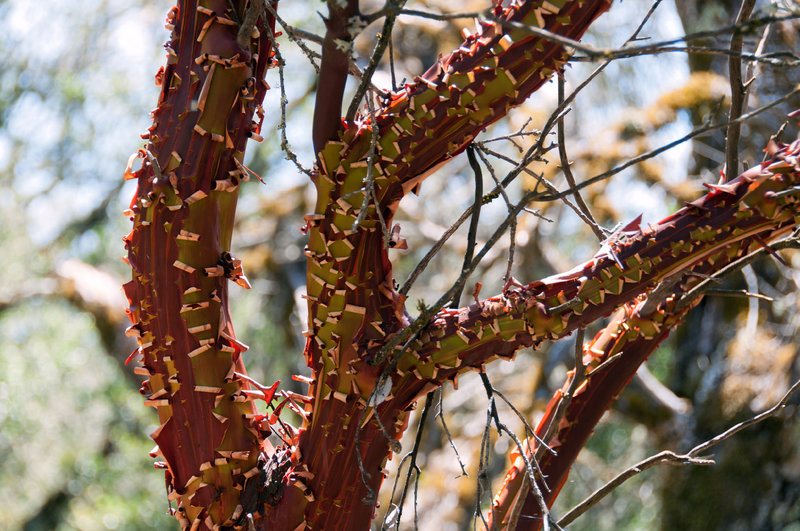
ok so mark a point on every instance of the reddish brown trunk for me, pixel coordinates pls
(219, 467)
(179, 251)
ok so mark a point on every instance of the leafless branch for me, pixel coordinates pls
(412, 466)
(296, 36)
(285, 147)
(512, 228)
(657, 151)
(393, 9)
(665, 457)
(653, 48)
(791, 242)
(583, 209)
(473, 222)
(578, 376)
(737, 93)
(375, 57)
(738, 293)
(440, 415)
(254, 11)
(668, 457)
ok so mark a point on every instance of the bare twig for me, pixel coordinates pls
(577, 379)
(512, 228)
(285, 147)
(668, 457)
(665, 457)
(473, 222)
(791, 242)
(254, 10)
(369, 188)
(737, 93)
(657, 151)
(652, 48)
(530, 431)
(296, 36)
(738, 293)
(377, 53)
(412, 466)
(565, 167)
(394, 9)
(423, 263)
(440, 415)
(531, 463)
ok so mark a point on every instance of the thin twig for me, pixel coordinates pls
(791, 242)
(531, 464)
(528, 428)
(483, 464)
(254, 10)
(306, 35)
(656, 47)
(752, 74)
(668, 457)
(657, 151)
(375, 57)
(285, 147)
(423, 263)
(297, 35)
(391, 64)
(646, 17)
(473, 222)
(775, 59)
(440, 415)
(565, 167)
(392, 9)
(738, 293)
(294, 35)
(412, 466)
(745, 424)
(665, 457)
(388, 518)
(512, 227)
(737, 93)
(540, 180)
(369, 187)
(577, 379)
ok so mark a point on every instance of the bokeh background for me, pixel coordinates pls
(76, 86)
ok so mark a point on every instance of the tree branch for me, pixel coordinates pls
(210, 435)
(746, 211)
(668, 457)
(612, 358)
(336, 48)
(433, 118)
(737, 92)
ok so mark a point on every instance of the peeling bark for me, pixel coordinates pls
(179, 249)
(219, 467)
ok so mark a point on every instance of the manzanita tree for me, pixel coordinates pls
(370, 360)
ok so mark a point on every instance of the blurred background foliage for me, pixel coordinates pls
(75, 87)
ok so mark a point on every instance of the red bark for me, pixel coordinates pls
(220, 469)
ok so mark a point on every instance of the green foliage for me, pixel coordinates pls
(72, 430)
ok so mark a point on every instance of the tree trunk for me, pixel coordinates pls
(370, 360)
